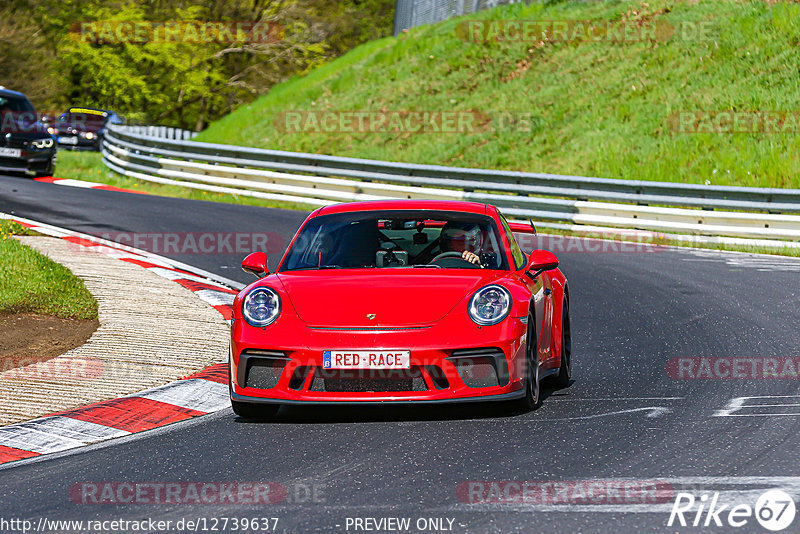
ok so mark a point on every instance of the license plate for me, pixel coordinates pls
(366, 359)
(68, 140)
(11, 152)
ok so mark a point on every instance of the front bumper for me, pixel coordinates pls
(32, 161)
(449, 362)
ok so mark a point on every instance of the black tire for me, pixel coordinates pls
(565, 371)
(51, 166)
(252, 410)
(532, 388)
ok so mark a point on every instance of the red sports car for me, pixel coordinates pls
(400, 302)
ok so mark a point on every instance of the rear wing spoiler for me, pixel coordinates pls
(522, 228)
(525, 234)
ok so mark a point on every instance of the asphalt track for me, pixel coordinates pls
(623, 417)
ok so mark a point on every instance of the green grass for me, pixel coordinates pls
(32, 283)
(597, 108)
(88, 166)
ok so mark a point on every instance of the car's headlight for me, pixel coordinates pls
(490, 305)
(261, 306)
(43, 143)
(88, 135)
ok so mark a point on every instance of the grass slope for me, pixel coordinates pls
(597, 108)
(31, 282)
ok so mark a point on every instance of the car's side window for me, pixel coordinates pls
(516, 252)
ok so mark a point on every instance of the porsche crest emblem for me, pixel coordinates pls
(370, 316)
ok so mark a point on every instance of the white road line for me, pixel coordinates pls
(771, 405)
(759, 262)
(76, 183)
(740, 403)
(195, 394)
(653, 411)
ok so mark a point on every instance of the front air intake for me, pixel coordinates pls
(260, 369)
(481, 367)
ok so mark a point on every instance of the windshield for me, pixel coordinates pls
(16, 105)
(18, 116)
(397, 239)
(88, 120)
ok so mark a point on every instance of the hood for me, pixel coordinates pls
(397, 298)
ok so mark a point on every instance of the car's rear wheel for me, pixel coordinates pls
(565, 371)
(531, 399)
(252, 410)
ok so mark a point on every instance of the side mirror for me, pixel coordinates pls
(540, 261)
(256, 263)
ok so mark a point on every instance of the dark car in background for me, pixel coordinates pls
(83, 128)
(25, 144)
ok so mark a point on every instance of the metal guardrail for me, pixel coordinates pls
(318, 180)
(411, 13)
(166, 132)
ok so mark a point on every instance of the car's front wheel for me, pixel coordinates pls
(51, 166)
(531, 399)
(252, 410)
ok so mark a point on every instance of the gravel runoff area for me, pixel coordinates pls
(152, 331)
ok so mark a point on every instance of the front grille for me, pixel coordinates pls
(14, 142)
(13, 162)
(481, 367)
(368, 380)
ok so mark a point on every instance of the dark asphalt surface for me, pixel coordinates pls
(623, 417)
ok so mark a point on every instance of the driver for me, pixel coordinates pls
(464, 237)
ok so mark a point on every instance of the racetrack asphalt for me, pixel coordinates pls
(623, 417)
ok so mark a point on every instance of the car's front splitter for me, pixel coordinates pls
(357, 402)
